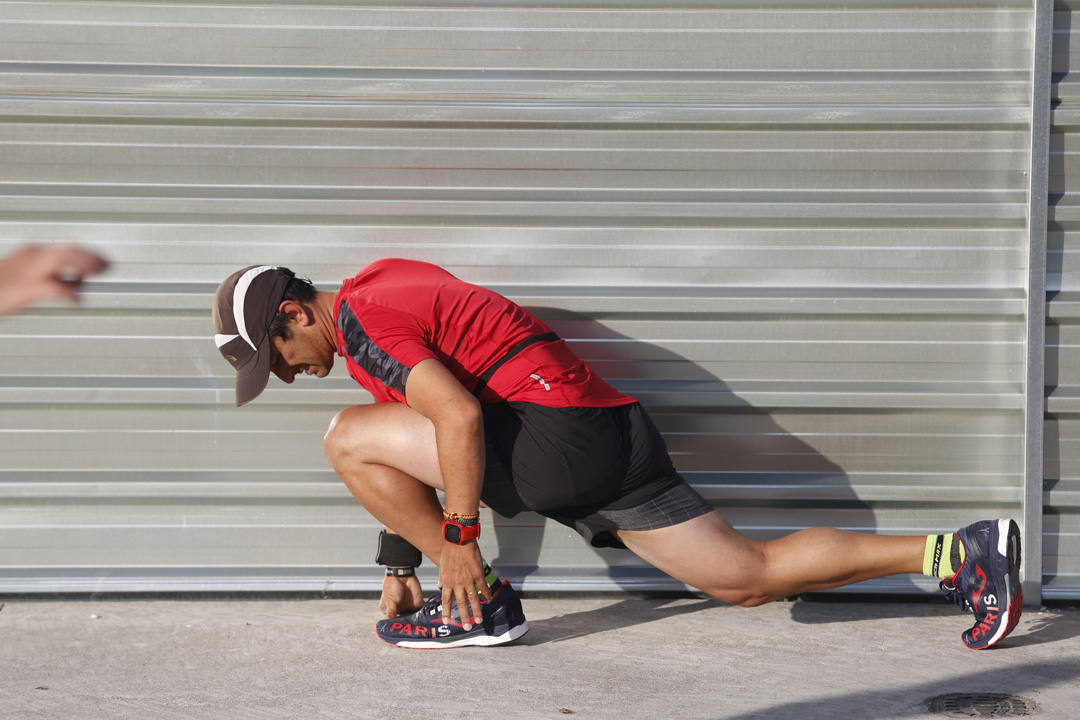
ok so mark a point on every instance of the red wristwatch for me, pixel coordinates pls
(460, 532)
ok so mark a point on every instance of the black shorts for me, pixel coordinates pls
(593, 469)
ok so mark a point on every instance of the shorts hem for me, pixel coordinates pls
(674, 506)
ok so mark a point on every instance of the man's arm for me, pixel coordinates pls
(435, 393)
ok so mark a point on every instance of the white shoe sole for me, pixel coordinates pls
(478, 640)
(1011, 608)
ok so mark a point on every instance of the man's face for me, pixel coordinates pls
(304, 353)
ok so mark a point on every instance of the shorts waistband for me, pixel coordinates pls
(482, 381)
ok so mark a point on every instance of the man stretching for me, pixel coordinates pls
(478, 398)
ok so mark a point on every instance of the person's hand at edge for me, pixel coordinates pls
(44, 272)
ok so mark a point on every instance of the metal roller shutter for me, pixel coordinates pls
(799, 234)
(1061, 519)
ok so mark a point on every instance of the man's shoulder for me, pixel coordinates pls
(397, 282)
(395, 265)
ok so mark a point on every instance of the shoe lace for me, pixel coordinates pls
(951, 593)
(433, 605)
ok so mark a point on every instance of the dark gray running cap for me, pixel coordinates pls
(243, 307)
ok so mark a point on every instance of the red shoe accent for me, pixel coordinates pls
(1016, 609)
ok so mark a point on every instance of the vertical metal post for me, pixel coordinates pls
(1034, 382)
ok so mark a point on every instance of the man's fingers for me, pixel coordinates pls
(465, 608)
(447, 603)
(392, 607)
(58, 288)
(400, 596)
(71, 260)
(474, 603)
(485, 590)
(457, 596)
(468, 604)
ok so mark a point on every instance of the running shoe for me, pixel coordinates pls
(504, 621)
(988, 581)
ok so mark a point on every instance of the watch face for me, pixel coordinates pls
(452, 533)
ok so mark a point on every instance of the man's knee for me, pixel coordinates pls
(723, 563)
(340, 438)
(744, 598)
(385, 434)
(747, 594)
(748, 584)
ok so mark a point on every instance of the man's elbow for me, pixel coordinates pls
(467, 411)
(460, 416)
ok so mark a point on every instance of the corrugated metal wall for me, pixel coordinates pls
(1061, 520)
(797, 234)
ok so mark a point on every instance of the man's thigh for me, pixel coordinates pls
(389, 434)
(704, 552)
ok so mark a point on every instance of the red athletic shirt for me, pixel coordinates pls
(396, 313)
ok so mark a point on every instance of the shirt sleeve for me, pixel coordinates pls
(386, 344)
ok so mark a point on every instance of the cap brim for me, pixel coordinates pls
(252, 378)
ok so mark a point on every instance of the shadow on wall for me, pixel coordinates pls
(763, 479)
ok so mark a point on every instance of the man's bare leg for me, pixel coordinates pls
(385, 454)
(380, 452)
(709, 554)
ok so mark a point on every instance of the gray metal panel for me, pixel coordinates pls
(1035, 314)
(799, 237)
(1061, 490)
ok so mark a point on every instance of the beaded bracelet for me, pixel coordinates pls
(460, 516)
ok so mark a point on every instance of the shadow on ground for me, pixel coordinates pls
(875, 704)
(1037, 626)
(625, 613)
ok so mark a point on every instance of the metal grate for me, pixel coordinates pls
(981, 705)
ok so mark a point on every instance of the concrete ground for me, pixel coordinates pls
(615, 656)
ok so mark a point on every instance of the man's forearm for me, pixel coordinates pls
(461, 459)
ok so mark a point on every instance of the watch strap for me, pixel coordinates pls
(459, 533)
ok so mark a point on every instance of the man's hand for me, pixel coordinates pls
(461, 573)
(400, 596)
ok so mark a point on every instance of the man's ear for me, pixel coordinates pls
(295, 312)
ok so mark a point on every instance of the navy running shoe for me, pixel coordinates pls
(504, 621)
(988, 581)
